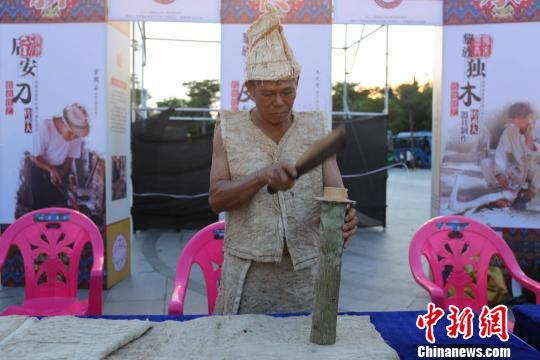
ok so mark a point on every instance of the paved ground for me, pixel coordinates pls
(375, 272)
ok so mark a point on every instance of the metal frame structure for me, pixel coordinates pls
(143, 109)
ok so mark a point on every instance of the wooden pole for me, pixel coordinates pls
(324, 318)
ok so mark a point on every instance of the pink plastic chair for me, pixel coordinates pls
(51, 241)
(455, 246)
(205, 248)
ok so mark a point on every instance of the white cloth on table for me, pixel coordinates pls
(68, 337)
(258, 337)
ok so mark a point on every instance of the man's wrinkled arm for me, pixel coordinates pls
(331, 173)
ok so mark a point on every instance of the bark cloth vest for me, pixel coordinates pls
(258, 230)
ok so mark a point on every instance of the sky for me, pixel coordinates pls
(170, 63)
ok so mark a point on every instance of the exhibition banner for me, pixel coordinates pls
(489, 161)
(52, 128)
(118, 123)
(315, 87)
(118, 184)
(65, 130)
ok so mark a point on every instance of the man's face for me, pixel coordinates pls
(522, 122)
(274, 99)
(67, 133)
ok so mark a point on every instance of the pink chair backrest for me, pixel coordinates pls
(51, 241)
(206, 250)
(459, 250)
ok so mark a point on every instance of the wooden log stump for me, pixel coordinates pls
(324, 318)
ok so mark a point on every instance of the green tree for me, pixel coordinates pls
(201, 94)
(409, 104)
(415, 102)
(359, 100)
(172, 102)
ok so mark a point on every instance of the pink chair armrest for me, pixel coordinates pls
(176, 305)
(436, 293)
(95, 299)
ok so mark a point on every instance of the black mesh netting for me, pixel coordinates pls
(171, 169)
(366, 152)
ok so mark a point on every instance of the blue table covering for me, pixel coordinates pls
(527, 325)
(398, 329)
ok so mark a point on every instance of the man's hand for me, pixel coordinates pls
(55, 176)
(279, 176)
(350, 225)
(502, 180)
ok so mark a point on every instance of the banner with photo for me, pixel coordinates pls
(164, 10)
(51, 11)
(118, 172)
(393, 12)
(118, 123)
(489, 129)
(52, 133)
(315, 87)
(65, 129)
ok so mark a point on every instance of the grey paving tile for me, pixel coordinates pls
(6, 292)
(419, 303)
(195, 303)
(151, 307)
(168, 249)
(143, 287)
(6, 302)
(359, 306)
(397, 300)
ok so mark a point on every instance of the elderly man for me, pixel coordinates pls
(271, 241)
(516, 165)
(60, 142)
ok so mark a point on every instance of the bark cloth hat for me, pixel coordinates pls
(76, 117)
(269, 55)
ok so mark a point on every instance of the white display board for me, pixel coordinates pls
(165, 10)
(486, 70)
(314, 89)
(394, 12)
(43, 69)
